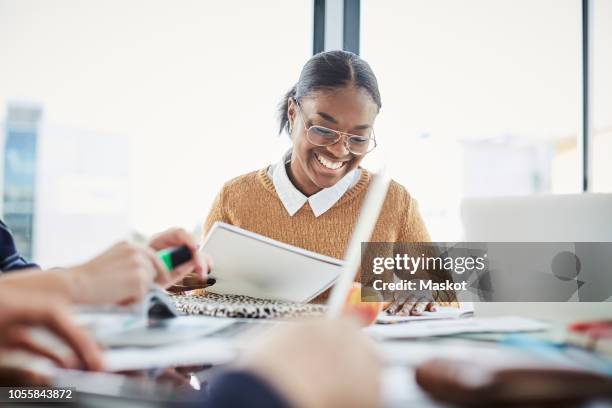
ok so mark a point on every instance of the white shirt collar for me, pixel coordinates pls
(293, 199)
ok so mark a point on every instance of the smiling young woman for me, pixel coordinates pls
(312, 196)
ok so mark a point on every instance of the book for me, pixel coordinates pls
(250, 264)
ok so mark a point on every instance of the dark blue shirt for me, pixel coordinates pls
(233, 389)
(242, 389)
(10, 258)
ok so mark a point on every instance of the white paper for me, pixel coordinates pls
(203, 351)
(441, 314)
(429, 328)
(169, 331)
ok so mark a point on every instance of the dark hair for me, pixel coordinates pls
(329, 70)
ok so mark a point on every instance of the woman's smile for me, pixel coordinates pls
(326, 170)
(329, 163)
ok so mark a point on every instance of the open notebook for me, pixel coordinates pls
(253, 265)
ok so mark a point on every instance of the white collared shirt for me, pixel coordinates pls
(293, 199)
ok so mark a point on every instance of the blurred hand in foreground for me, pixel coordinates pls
(327, 363)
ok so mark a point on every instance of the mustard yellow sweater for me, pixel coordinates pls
(250, 202)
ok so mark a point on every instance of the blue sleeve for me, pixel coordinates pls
(242, 389)
(10, 259)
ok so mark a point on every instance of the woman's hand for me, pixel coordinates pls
(326, 363)
(198, 267)
(191, 275)
(411, 303)
(21, 310)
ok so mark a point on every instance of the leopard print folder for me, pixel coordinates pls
(212, 304)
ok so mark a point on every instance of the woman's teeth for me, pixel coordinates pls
(332, 165)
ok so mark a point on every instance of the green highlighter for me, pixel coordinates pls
(173, 257)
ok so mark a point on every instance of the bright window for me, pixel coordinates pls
(480, 98)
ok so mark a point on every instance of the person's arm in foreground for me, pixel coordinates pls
(22, 310)
(315, 364)
(122, 274)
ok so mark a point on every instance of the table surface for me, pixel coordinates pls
(402, 356)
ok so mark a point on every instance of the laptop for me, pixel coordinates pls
(570, 218)
(583, 217)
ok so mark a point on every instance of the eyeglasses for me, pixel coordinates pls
(322, 136)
